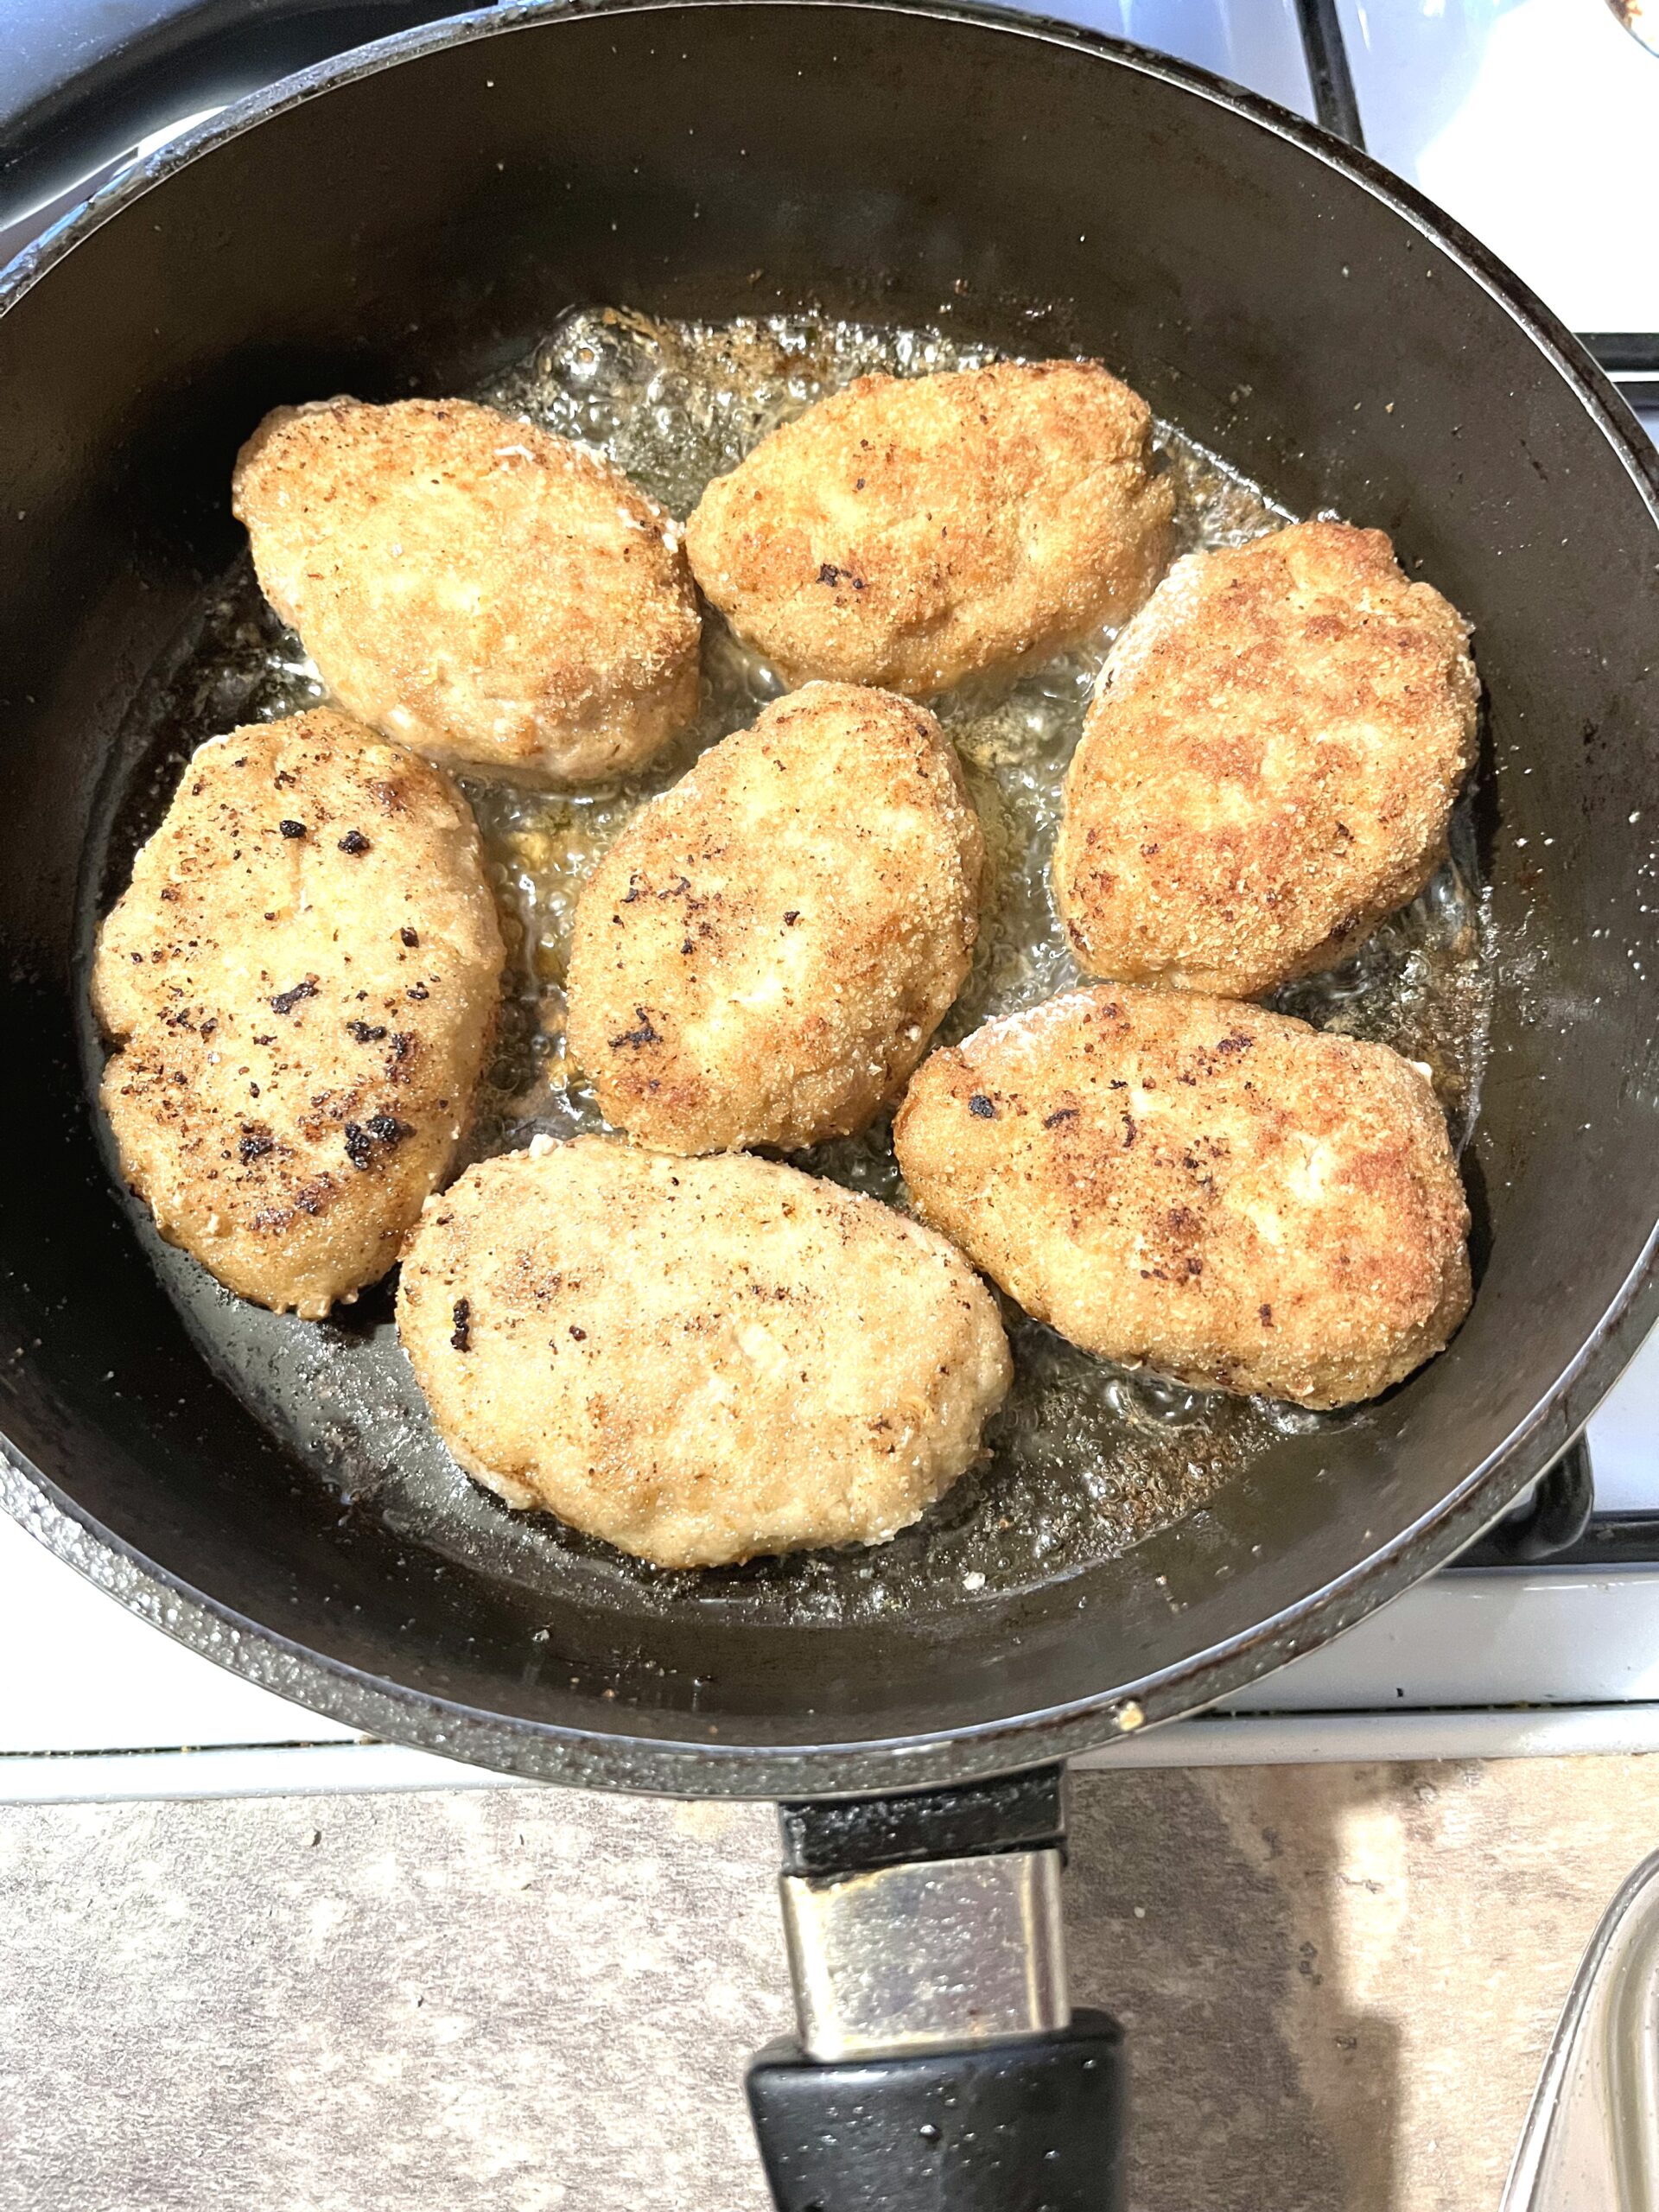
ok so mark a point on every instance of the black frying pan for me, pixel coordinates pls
(420, 212)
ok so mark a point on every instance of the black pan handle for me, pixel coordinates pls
(85, 79)
(1031, 2126)
(938, 2063)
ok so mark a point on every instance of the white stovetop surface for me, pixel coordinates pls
(1536, 123)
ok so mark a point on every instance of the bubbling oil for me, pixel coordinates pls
(1085, 1459)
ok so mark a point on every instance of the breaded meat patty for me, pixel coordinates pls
(911, 531)
(1224, 1195)
(300, 984)
(473, 586)
(763, 954)
(699, 1360)
(1268, 766)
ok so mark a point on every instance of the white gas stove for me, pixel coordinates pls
(1535, 123)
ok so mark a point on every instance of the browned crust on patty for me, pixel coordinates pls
(764, 954)
(1268, 766)
(911, 531)
(1190, 1184)
(475, 586)
(698, 1360)
(301, 983)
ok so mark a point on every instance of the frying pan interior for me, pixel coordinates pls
(415, 226)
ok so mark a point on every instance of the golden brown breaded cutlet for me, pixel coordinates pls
(473, 586)
(1268, 766)
(698, 1360)
(911, 531)
(301, 983)
(763, 954)
(1187, 1183)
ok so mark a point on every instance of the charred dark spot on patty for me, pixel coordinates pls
(645, 1035)
(366, 1141)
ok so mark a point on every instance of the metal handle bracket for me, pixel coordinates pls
(942, 1954)
(927, 1920)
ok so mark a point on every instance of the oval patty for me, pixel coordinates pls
(1268, 766)
(763, 954)
(700, 1360)
(300, 982)
(473, 586)
(911, 531)
(1224, 1195)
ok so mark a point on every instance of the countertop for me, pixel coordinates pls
(1340, 1982)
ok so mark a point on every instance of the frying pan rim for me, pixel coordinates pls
(613, 1759)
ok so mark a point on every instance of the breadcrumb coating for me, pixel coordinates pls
(698, 1360)
(301, 983)
(911, 531)
(764, 954)
(1269, 766)
(474, 586)
(1192, 1185)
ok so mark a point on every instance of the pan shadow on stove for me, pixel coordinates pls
(1218, 1943)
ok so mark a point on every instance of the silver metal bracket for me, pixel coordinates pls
(931, 1954)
